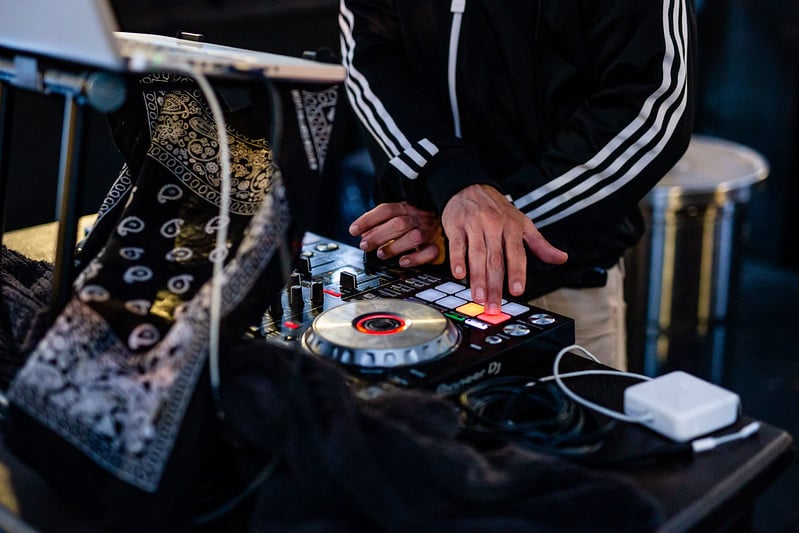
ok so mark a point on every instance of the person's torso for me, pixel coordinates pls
(520, 71)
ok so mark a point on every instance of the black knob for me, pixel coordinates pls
(317, 294)
(276, 310)
(295, 298)
(348, 282)
(304, 266)
(296, 279)
(370, 262)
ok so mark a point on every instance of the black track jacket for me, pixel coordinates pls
(574, 109)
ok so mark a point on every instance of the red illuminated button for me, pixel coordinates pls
(494, 319)
(380, 324)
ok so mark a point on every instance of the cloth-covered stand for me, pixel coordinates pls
(118, 374)
(113, 406)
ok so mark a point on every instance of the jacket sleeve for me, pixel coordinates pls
(634, 125)
(409, 138)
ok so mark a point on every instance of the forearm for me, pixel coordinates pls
(632, 127)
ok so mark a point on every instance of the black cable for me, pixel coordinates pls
(275, 109)
(240, 496)
(539, 416)
(532, 414)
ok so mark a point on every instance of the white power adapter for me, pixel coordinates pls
(681, 406)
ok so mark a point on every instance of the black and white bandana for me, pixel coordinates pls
(115, 373)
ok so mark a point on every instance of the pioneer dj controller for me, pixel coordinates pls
(392, 327)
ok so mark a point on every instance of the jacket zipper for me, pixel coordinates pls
(457, 8)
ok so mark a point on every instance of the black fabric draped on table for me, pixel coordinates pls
(111, 403)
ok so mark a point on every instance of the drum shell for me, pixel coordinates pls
(682, 278)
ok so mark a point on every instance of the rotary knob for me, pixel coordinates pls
(516, 330)
(542, 319)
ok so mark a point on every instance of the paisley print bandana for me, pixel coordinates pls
(115, 373)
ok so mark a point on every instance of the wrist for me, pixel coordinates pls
(452, 171)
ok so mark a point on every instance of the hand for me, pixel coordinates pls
(399, 228)
(483, 226)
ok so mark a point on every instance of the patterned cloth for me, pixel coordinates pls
(115, 373)
(26, 288)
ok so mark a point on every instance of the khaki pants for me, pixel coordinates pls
(599, 316)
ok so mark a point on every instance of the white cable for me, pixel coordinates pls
(579, 399)
(708, 443)
(215, 311)
(698, 445)
(615, 373)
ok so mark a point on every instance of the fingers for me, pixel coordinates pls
(543, 250)
(516, 256)
(516, 261)
(457, 253)
(399, 228)
(376, 217)
(477, 254)
(489, 234)
(487, 238)
(486, 259)
(409, 240)
(425, 254)
(384, 225)
(474, 225)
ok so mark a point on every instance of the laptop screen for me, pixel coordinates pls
(85, 32)
(74, 30)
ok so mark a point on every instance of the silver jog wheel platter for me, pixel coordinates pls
(382, 333)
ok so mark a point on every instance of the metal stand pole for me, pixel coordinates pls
(102, 91)
(6, 96)
(69, 185)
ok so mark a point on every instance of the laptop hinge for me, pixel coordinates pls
(26, 73)
(190, 36)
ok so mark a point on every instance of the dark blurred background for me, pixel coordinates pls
(749, 54)
(281, 26)
(748, 92)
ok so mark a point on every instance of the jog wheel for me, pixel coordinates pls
(382, 334)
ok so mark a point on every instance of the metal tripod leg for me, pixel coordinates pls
(69, 185)
(6, 96)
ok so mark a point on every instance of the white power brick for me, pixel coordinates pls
(682, 406)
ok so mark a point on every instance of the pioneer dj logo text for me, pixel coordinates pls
(493, 369)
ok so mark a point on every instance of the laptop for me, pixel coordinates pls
(86, 32)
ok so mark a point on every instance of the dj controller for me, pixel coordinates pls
(393, 327)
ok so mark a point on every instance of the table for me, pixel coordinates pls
(717, 490)
(710, 491)
(713, 491)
